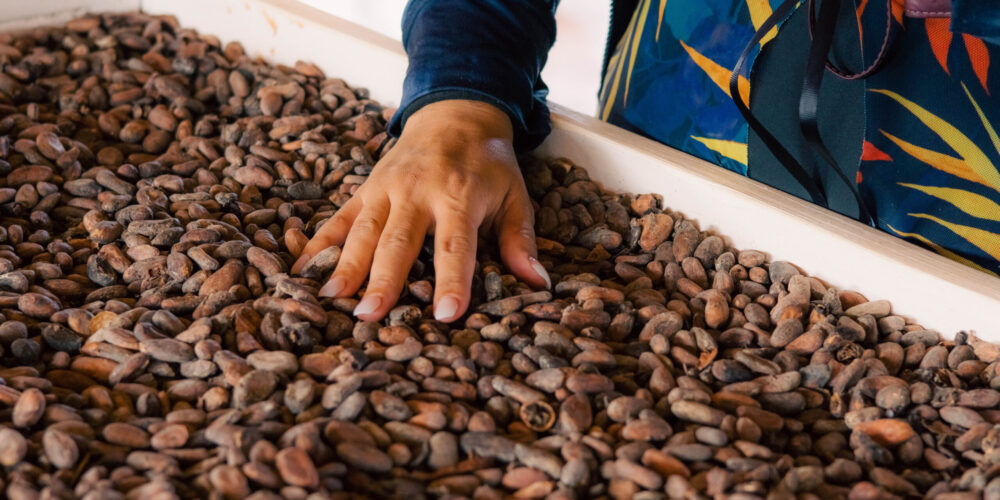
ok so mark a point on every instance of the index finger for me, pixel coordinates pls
(333, 232)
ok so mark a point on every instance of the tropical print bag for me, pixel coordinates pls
(931, 162)
(916, 136)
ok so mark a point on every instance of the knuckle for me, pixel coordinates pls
(457, 209)
(382, 283)
(344, 213)
(397, 239)
(352, 204)
(326, 226)
(457, 244)
(528, 216)
(463, 191)
(464, 178)
(451, 175)
(348, 270)
(331, 228)
(451, 285)
(526, 232)
(367, 225)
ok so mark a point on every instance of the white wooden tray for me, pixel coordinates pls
(937, 292)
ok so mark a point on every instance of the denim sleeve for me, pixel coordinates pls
(485, 50)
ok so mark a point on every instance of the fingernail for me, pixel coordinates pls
(297, 266)
(446, 308)
(332, 287)
(540, 271)
(367, 305)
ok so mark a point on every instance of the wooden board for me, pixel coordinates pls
(936, 291)
(18, 14)
(286, 31)
(941, 294)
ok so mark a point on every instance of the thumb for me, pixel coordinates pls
(518, 250)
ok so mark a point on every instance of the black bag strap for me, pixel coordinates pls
(808, 180)
(888, 40)
(817, 63)
(819, 48)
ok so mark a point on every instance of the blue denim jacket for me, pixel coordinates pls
(486, 50)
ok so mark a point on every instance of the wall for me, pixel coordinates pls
(573, 69)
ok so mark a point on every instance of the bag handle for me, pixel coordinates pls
(891, 31)
(819, 50)
(808, 103)
(808, 180)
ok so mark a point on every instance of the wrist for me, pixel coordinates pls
(461, 118)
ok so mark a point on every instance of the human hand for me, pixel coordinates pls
(452, 172)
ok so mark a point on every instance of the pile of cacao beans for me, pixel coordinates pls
(157, 186)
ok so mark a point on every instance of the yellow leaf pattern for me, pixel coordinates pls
(941, 250)
(659, 21)
(973, 156)
(606, 84)
(760, 10)
(730, 149)
(973, 165)
(982, 239)
(971, 203)
(982, 117)
(940, 161)
(635, 46)
(617, 68)
(719, 74)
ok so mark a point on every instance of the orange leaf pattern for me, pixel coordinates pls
(931, 156)
(858, 13)
(929, 162)
(871, 153)
(939, 35)
(898, 6)
(979, 56)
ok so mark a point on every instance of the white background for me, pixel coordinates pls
(573, 69)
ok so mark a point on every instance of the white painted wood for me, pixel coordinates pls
(932, 289)
(20, 14)
(286, 31)
(937, 292)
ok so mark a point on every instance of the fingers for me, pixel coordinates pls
(398, 247)
(331, 233)
(515, 228)
(359, 247)
(455, 236)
